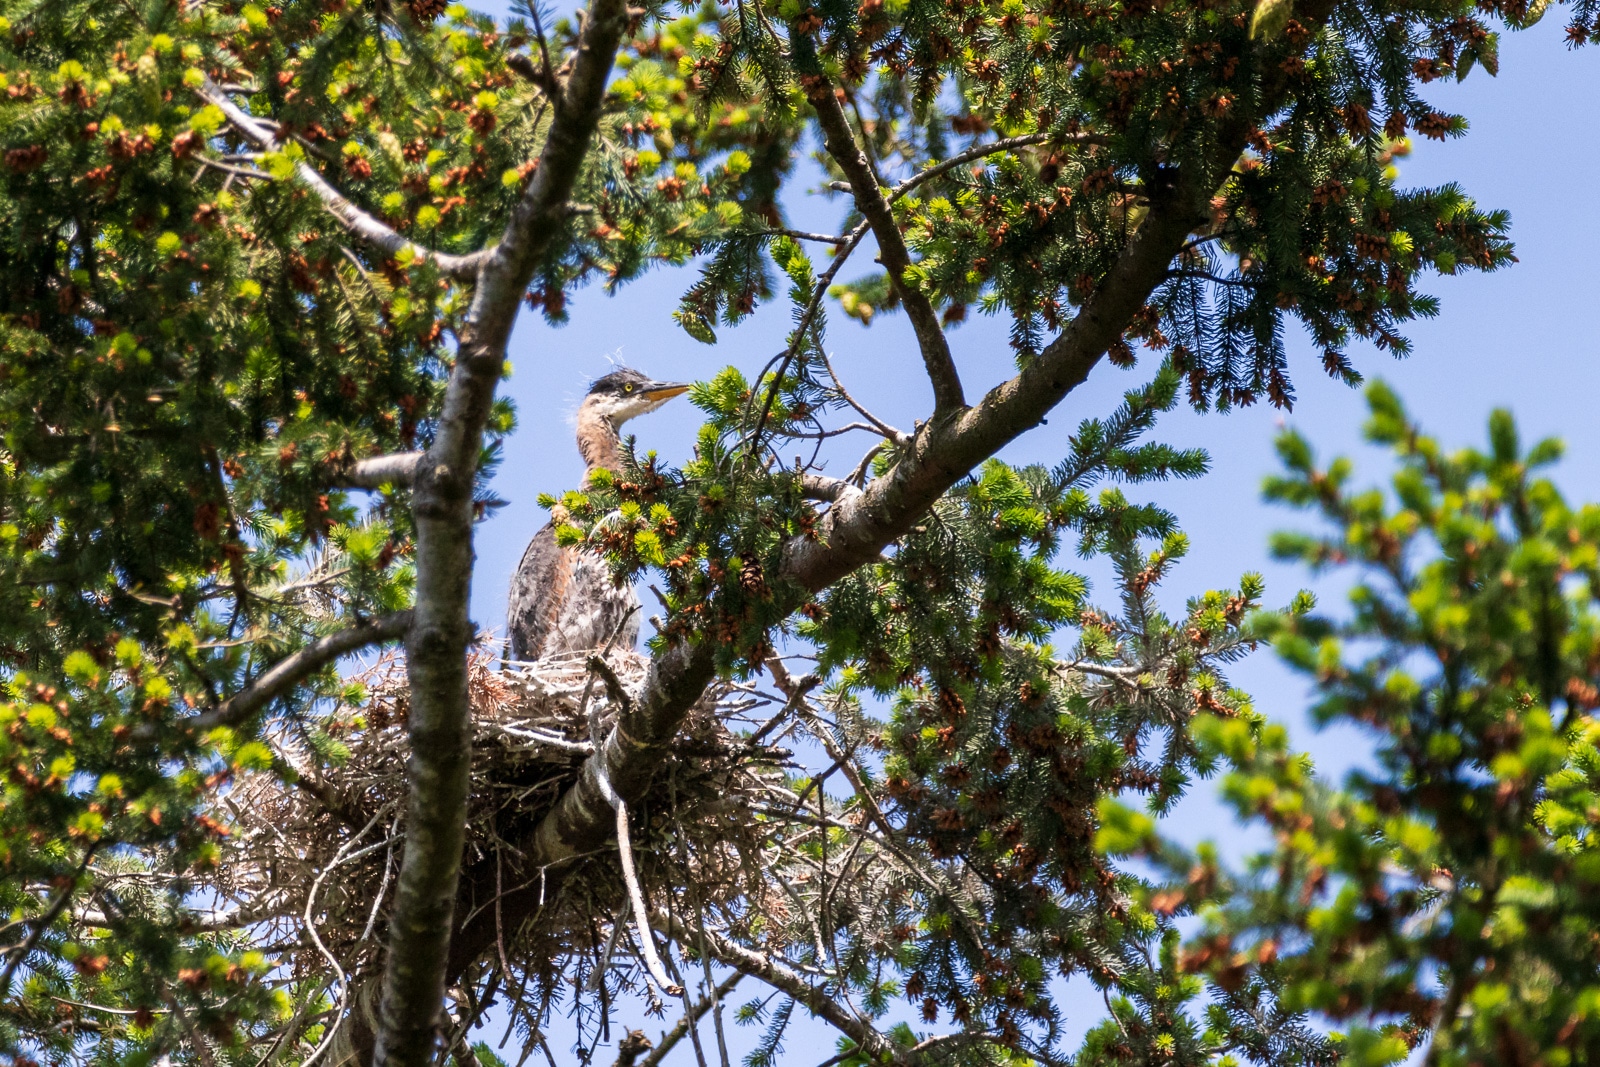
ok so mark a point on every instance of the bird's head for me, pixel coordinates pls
(624, 394)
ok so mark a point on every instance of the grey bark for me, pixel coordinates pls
(931, 341)
(436, 647)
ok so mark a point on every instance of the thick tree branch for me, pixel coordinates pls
(841, 144)
(395, 469)
(353, 218)
(420, 932)
(821, 487)
(282, 677)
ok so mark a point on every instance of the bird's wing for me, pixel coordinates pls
(537, 591)
(597, 608)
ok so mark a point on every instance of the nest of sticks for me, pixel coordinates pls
(313, 863)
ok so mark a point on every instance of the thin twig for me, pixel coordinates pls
(339, 858)
(802, 235)
(44, 923)
(897, 436)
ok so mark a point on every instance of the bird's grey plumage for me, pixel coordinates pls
(563, 599)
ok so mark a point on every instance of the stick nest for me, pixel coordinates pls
(314, 862)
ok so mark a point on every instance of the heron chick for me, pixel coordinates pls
(564, 599)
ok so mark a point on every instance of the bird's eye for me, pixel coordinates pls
(627, 388)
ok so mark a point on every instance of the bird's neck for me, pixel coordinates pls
(599, 445)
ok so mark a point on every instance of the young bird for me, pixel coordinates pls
(564, 599)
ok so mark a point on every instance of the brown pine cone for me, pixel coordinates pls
(751, 580)
(426, 10)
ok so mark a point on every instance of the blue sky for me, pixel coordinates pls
(1521, 338)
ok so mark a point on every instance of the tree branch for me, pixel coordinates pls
(290, 671)
(420, 934)
(989, 148)
(355, 220)
(817, 1000)
(395, 469)
(841, 145)
(670, 1039)
(820, 487)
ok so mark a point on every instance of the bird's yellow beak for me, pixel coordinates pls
(656, 392)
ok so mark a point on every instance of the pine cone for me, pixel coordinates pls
(426, 10)
(751, 580)
(954, 708)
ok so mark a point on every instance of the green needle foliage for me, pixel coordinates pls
(260, 265)
(1441, 898)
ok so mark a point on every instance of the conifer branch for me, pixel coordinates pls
(841, 144)
(358, 222)
(543, 209)
(20, 952)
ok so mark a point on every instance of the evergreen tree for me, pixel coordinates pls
(1439, 898)
(261, 265)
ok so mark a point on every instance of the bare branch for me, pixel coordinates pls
(670, 1039)
(804, 235)
(802, 327)
(395, 469)
(354, 219)
(841, 145)
(979, 151)
(287, 673)
(897, 436)
(630, 875)
(239, 172)
(818, 487)
(541, 77)
(779, 975)
(836, 431)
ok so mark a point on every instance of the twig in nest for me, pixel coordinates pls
(647, 944)
(614, 690)
(647, 941)
(311, 927)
